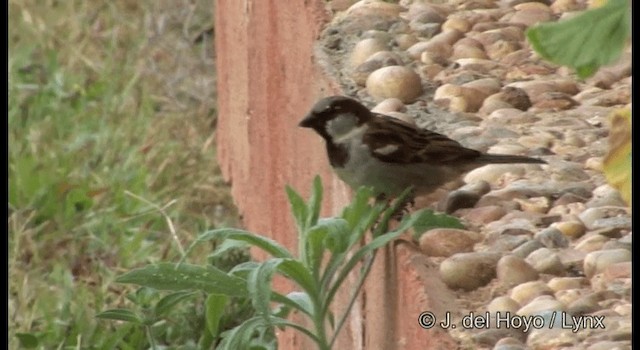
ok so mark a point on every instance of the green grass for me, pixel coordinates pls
(111, 160)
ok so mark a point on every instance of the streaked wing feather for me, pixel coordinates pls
(413, 145)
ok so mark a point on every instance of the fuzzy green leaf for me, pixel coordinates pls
(270, 246)
(121, 315)
(587, 41)
(215, 305)
(426, 219)
(169, 276)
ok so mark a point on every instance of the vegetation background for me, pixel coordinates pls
(111, 162)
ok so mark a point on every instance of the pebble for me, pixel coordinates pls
(503, 304)
(568, 296)
(485, 215)
(552, 238)
(571, 229)
(617, 271)
(425, 30)
(506, 243)
(536, 89)
(511, 116)
(609, 200)
(509, 343)
(589, 303)
(568, 211)
(501, 48)
(527, 248)
(568, 198)
(450, 36)
(490, 337)
(624, 309)
(597, 261)
(535, 204)
(365, 49)
(459, 199)
(516, 97)
(594, 163)
(458, 98)
(436, 52)
(404, 41)
(544, 260)
(591, 215)
(572, 260)
(540, 304)
(513, 270)
(615, 244)
(553, 101)
(469, 271)
(394, 82)
(591, 242)
(609, 345)
(446, 242)
(389, 105)
(430, 71)
(511, 226)
(564, 283)
(526, 292)
(613, 226)
(553, 338)
(376, 61)
(615, 97)
(467, 51)
(491, 173)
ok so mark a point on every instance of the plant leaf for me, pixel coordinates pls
(426, 219)
(215, 304)
(165, 304)
(587, 41)
(297, 272)
(121, 315)
(617, 162)
(302, 300)
(270, 246)
(259, 286)
(240, 337)
(298, 208)
(169, 276)
(315, 202)
(27, 340)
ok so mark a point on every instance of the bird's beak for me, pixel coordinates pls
(307, 122)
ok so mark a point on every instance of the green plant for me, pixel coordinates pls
(112, 164)
(330, 249)
(587, 41)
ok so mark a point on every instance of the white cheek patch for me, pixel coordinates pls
(386, 150)
(341, 125)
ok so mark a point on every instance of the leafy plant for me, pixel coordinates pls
(617, 163)
(330, 249)
(587, 41)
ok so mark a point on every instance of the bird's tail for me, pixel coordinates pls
(507, 158)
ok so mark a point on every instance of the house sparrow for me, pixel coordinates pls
(389, 155)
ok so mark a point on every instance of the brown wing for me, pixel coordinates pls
(392, 140)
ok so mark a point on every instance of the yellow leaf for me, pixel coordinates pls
(617, 163)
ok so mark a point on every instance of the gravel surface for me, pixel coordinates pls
(551, 244)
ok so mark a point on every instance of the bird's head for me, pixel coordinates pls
(334, 116)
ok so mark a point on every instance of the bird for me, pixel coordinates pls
(389, 155)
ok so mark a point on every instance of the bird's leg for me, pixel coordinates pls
(405, 206)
